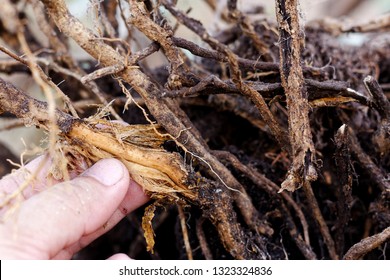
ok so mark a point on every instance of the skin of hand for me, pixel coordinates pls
(54, 220)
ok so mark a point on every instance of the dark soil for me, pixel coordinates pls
(352, 193)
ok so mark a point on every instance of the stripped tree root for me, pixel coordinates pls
(163, 175)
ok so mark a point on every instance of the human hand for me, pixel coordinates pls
(56, 222)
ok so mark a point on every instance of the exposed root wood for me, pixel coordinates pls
(162, 174)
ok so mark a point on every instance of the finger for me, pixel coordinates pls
(62, 215)
(134, 198)
(119, 257)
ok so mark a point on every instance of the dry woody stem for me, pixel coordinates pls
(255, 138)
(290, 44)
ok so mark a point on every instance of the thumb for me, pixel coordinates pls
(56, 218)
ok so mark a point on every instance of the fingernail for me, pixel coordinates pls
(107, 171)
